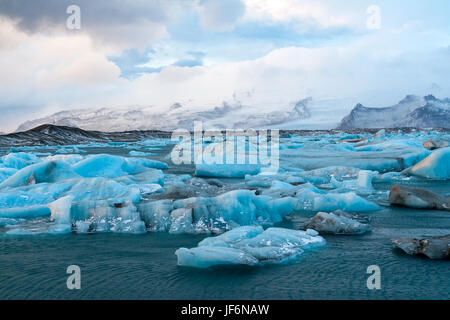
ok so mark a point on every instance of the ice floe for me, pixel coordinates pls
(417, 198)
(249, 246)
(435, 166)
(336, 223)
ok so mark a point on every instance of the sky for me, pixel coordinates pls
(131, 53)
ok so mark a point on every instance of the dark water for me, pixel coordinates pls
(122, 266)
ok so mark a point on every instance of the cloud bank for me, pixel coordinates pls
(201, 53)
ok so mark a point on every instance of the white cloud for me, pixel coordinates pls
(54, 73)
(220, 15)
(305, 12)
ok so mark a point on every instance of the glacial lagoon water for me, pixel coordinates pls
(144, 266)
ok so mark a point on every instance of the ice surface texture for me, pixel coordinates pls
(435, 166)
(249, 246)
(318, 173)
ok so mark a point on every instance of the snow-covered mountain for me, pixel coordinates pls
(228, 115)
(412, 111)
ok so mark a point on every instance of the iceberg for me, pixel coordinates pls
(226, 170)
(18, 160)
(310, 198)
(417, 198)
(60, 210)
(249, 246)
(336, 223)
(5, 173)
(181, 221)
(134, 153)
(49, 171)
(235, 208)
(433, 248)
(60, 229)
(435, 166)
(108, 166)
(205, 257)
(156, 214)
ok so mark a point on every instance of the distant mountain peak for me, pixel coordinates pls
(226, 115)
(430, 97)
(409, 98)
(412, 111)
(359, 106)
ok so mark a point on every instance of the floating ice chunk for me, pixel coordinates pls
(108, 166)
(25, 212)
(362, 185)
(69, 158)
(60, 229)
(345, 201)
(236, 208)
(390, 176)
(64, 150)
(83, 226)
(284, 238)
(433, 144)
(49, 171)
(138, 227)
(156, 214)
(226, 170)
(101, 188)
(365, 178)
(312, 232)
(336, 223)
(60, 210)
(249, 246)
(20, 232)
(205, 257)
(181, 221)
(176, 178)
(149, 176)
(148, 188)
(435, 166)
(433, 248)
(19, 160)
(5, 173)
(266, 180)
(140, 154)
(231, 237)
(417, 198)
(324, 175)
(311, 200)
(8, 222)
(280, 185)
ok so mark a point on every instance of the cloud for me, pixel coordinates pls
(130, 63)
(118, 23)
(195, 60)
(305, 13)
(134, 63)
(220, 15)
(273, 53)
